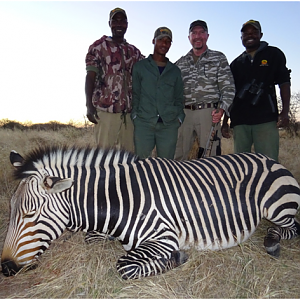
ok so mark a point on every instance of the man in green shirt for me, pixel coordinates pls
(157, 103)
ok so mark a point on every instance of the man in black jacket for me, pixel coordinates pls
(254, 113)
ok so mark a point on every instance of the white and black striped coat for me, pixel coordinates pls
(155, 207)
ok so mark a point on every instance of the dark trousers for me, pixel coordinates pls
(147, 136)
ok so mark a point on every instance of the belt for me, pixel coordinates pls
(196, 106)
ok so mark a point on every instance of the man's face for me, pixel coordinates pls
(162, 46)
(251, 37)
(118, 25)
(198, 38)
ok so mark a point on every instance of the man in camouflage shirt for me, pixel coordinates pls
(207, 80)
(108, 85)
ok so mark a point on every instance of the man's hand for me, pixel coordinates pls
(225, 131)
(225, 127)
(285, 95)
(92, 115)
(217, 115)
(283, 120)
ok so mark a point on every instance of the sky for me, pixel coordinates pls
(43, 45)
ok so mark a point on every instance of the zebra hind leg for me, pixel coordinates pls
(143, 262)
(275, 234)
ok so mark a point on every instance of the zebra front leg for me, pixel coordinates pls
(149, 259)
(275, 234)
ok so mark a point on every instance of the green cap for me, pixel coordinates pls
(162, 32)
(253, 23)
(115, 11)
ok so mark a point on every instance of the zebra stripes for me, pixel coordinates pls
(155, 207)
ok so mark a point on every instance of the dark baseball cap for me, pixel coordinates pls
(253, 23)
(115, 11)
(198, 23)
(162, 32)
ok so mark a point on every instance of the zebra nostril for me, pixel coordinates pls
(9, 268)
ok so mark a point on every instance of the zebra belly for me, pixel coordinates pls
(217, 243)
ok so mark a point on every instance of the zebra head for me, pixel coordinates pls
(37, 218)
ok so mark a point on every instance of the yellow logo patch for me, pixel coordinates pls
(264, 62)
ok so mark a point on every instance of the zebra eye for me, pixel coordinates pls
(28, 215)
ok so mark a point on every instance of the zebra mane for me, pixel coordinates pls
(43, 157)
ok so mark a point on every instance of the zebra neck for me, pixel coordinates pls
(97, 208)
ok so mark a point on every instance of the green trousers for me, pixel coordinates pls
(163, 137)
(264, 137)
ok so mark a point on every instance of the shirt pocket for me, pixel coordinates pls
(167, 88)
(210, 71)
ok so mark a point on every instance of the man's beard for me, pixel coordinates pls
(198, 48)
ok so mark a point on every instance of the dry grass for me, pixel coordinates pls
(72, 269)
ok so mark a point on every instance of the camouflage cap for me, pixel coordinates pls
(198, 23)
(253, 23)
(162, 32)
(115, 11)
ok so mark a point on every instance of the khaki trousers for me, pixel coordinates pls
(197, 123)
(112, 132)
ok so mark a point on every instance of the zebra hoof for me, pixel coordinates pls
(274, 250)
(179, 257)
(272, 242)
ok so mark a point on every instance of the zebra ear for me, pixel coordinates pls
(57, 185)
(16, 159)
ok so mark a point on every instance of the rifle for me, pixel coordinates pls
(207, 151)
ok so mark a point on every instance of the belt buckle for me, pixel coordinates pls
(201, 105)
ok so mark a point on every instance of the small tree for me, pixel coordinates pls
(294, 124)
